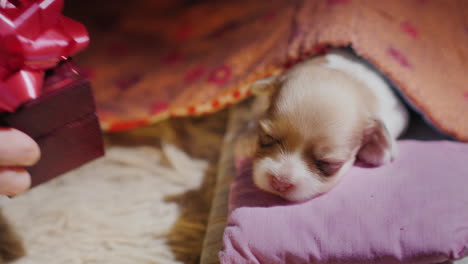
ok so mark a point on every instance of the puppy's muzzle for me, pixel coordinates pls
(280, 186)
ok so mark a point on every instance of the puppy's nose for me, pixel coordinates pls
(279, 185)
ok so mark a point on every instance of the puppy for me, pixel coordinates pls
(322, 116)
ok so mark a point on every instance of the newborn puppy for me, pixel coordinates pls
(323, 116)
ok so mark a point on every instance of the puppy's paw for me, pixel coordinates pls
(375, 156)
(378, 148)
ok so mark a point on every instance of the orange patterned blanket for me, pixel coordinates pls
(151, 60)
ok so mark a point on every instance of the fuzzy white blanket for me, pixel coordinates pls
(109, 211)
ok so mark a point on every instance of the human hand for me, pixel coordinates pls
(16, 150)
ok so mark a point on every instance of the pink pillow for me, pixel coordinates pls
(412, 211)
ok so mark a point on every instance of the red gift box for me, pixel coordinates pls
(62, 121)
(58, 111)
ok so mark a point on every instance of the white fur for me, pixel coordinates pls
(391, 110)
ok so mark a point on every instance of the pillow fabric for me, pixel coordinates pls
(414, 210)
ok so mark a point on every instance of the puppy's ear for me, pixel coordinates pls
(264, 86)
(265, 126)
(378, 147)
(264, 90)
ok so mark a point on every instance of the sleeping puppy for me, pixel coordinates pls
(322, 116)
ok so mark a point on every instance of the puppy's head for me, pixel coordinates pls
(318, 122)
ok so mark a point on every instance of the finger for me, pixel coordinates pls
(14, 181)
(17, 148)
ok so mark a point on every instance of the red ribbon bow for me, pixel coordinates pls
(34, 36)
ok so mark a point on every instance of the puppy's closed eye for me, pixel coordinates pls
(266, 141)
(328, 168)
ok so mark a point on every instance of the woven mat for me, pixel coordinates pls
(239, 115)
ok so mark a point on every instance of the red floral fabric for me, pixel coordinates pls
(150, 60)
